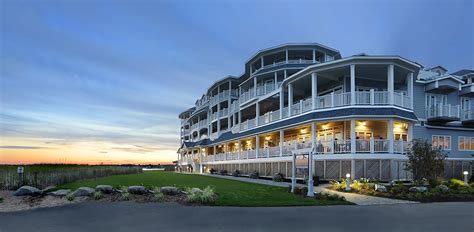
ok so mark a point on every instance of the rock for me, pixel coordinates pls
(136, 189)
(380, 188)
(104, 188)
(60, 193)
(442, 188)
(168, 190)
(27, 191)
(420, 189)
(196, 190)
(83, 192)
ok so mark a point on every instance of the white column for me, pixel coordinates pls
(410, 132)
(255, 85)
(282, 134)
(314, 89)
(261, 62)
(410, 88)
(286, 55)
(390, 83)
(290, 98)
(200, 160)
(390, 135)
(353, 136)
(310, 161)
(314, 55)
(257, 145)
(282, 102)
(353, 82)
(257, 114)
(238, 148)
(293, 174)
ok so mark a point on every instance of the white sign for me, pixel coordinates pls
(20, 169)
(301, 161)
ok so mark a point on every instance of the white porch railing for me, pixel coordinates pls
(467, 115)
(443, 111)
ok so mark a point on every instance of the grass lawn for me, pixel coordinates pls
(231, 192)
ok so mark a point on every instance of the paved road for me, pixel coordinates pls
(129, 216)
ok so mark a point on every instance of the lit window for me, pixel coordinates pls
(442, 142)
(466, 143)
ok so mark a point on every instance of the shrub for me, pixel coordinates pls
(1, 199)
(339, 186)
(124, 195)
(398, 188)
(205, 196)
(315, 180)
(159, 196)
(455, 184)
(223, 172)
(424, 161)
(212, 171)
(278, 177)
(236, 173)
(98, 195)
(254, 175)
(70, 196)
(300, 190)
(436, 182)
(329, 196)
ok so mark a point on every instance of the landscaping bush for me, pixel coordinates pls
(1, 199)
(98, 195)
(278, 177)
(223, 172)
(236, 173)
(455, 184)
(398, 188)
(436, 182)
(124, 195)
(212, 171)
(205, 196)
(70, 196)
(328, 196)
(157, 194)
(254, 175)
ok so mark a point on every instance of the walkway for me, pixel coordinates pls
(358, 199)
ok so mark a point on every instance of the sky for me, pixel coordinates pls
(104, 81)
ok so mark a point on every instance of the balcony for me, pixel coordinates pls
(467, 117)
(443, 113)
(222, 96)
(262, 90)
(323, 147)
(467, 90)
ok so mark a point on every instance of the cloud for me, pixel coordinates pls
(22, 147)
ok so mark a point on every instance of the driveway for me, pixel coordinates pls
(130, 216)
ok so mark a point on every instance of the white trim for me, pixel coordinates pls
(448, 128)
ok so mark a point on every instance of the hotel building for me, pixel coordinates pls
(359, 113)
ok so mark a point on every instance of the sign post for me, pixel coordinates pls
(20, 170)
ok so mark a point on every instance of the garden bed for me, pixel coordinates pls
(426, 191)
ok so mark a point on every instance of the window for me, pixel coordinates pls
(442, 142)
(436, 99)
(466, 143)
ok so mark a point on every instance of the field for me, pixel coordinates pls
(43, 175)
(231, 192)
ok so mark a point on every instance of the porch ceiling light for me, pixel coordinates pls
(303, 131)
(362, 123)
(268, 137)
(325, 126)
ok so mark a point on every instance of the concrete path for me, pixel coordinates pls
(130, 216)
(358, 199)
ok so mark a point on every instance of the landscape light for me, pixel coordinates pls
(348, 182)
(466, 173)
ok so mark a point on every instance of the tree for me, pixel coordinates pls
(424, 161)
